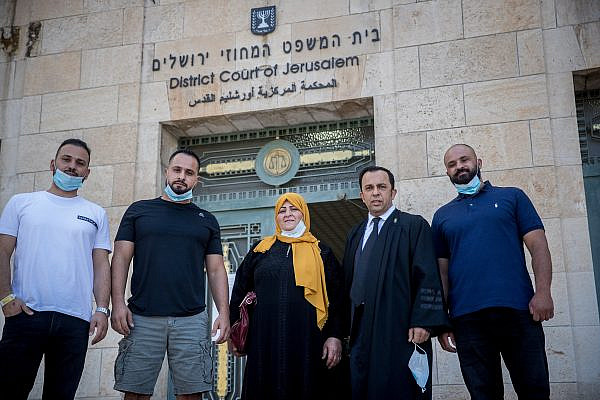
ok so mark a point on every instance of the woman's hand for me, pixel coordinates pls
(332, 352)
(233, 350)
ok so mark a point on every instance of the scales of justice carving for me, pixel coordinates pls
(249, 170)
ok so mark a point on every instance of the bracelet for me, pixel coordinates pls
(8, 299)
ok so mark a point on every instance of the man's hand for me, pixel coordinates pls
(541, 306)
(332, 352)
(447, 342)
(121, 319)
(417, 335)
(222, 323)
(98, 323)
(17, 306)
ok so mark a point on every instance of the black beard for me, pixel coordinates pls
(467, 178)
(178, 191)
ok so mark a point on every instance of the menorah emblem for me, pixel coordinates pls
(262, 20)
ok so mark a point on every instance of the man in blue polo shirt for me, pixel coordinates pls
(493, 307)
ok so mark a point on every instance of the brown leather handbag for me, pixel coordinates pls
(239, 330)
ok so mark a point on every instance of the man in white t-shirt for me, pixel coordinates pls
(61, 245)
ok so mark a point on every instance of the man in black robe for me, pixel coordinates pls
(395, 294)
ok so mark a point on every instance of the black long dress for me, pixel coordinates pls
(285, 345)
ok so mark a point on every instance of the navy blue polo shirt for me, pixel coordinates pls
(482, 236)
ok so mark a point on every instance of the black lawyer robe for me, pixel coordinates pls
(403, 290)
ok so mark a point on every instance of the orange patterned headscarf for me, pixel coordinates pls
(308, 264)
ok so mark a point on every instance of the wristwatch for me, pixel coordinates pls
(104, 311)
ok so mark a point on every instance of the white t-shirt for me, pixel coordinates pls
(53, 268)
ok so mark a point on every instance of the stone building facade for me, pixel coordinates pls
(134, 77)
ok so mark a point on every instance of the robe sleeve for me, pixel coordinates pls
(334, 279)
(244, 283)
(428, 309)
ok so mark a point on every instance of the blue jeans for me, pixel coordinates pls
(483, 335)
(63, 340)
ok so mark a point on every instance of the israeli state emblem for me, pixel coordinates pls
(262, 20)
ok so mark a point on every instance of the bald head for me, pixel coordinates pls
(459, 146)
(461, 163)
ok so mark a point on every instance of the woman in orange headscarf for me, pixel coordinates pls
(296, 325)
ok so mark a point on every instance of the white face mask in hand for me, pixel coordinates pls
(419, 366)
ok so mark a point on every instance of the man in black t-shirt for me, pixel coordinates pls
(170, 240)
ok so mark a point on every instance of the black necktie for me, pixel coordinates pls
(361, 266)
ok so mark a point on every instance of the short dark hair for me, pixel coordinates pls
(74, 142)
(187, 152)
(373, 168)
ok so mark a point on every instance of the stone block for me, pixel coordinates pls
(582, 298)
(385, 110)
(505, 100)
(31, 110)
(588, 35)
(406, 68)
(123, 184)
(411, 156)
(89, 385)
(148, 143)
(379, 74)
(112, 144)
(13, 87)
(386, 29)
(154, 105)
(548, 12)
(53, 73)
(576, 240)
(248, 122)
(426, 109)
(133, 28)
(36, 151)
(98, 187)
(428, 22)
(221, 17)
(24, 183)
(147, 57)
(587, 354)
(82, 32)
(359, 6)
(10, 118)
(79, 109)
(129, 95)
(574, 12)
(563, 390)
(561, 95)
(571, 195)
(320, 112)
(42, 180)
(565, 138)
(469, 60)
(8, 156)
(485, 17)
(48, 9)
(531, 52)
(163, 23)
(560, 296)
(105, 5)
(111, 66)
(386, 153)
(501, 146)
(538, 183)
(560, 354)
(424, 195)
(541, 142)
(291, 11)
(561, 50)
(114, 215)
(554, 235)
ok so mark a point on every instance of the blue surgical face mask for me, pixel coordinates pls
(177, 197)
(419, 366)
(469, 188)
(66, 182)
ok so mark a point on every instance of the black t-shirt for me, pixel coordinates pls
(171, 242)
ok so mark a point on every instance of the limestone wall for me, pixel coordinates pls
(493, 73)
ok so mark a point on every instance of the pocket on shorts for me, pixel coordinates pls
(204, 349)
(124, 348)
